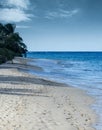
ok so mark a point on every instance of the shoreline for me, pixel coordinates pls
(29, 102)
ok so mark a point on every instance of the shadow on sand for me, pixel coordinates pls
(22, 92)
(27, 80)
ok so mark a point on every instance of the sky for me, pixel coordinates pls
(56, 25)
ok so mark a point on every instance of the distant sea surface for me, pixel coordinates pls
(78, 69)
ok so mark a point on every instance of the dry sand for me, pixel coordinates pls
(32, 103)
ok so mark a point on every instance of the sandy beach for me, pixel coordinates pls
(28, 102)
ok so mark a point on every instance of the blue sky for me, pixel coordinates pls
(56, 25)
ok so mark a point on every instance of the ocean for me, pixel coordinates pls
(78, 69)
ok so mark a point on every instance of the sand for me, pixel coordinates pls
(28, 102)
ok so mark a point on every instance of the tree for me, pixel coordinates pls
(9, 28)
(2, 35)
(11, 40)
(15, 43)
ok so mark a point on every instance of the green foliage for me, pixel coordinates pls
(6, 54)
(11, 44)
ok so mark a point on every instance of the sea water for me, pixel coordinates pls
(78, 69)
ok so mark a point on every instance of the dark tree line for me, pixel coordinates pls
(11, 44)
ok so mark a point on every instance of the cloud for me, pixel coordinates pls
(19, 3)
(61, 13)
(13, 15)
(15, 11)
(23, 26)
(20, 10)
